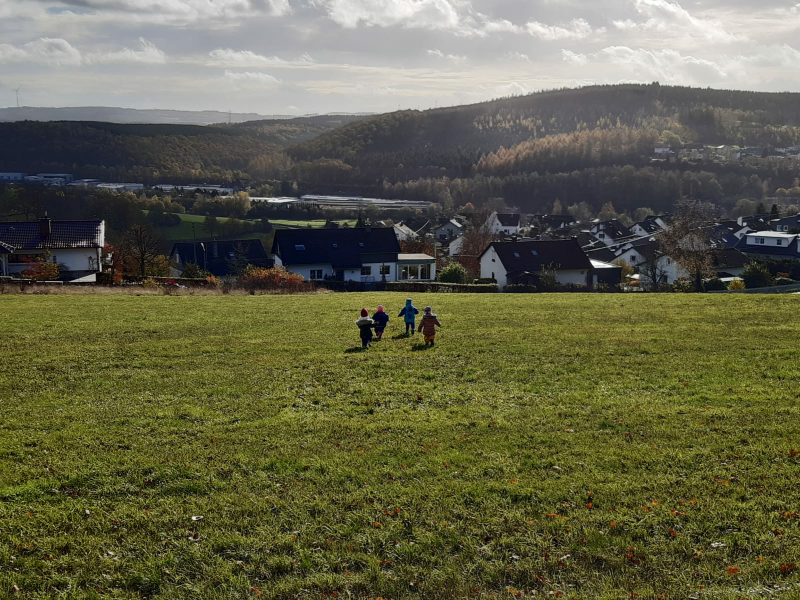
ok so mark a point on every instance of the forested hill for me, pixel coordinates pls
(695, 115)
(152, 153)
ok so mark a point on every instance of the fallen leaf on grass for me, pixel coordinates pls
(731, 571)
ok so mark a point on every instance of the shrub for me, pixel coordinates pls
(756, 275)
(149, 284)
(683, 286)
(520, 289)
(484, 280)
(453, 273)
(736, 284)
(715, 284)
(41, 271)
(276, 278)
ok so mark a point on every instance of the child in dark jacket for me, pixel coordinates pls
(365, 325)
(428, 325)
(381, 319)
(409, 314)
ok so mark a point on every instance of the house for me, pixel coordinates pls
(610, 232)
(786, 224)
(645, 256)
(770, 245)
(404, 233)
(220, 258)
(523, 262)
(649, 225)
(354, 254)
(76, 246)
(503, 223)
(551, 223)
(449, 230)
(730, 262)
(13, 176)
(456, 246)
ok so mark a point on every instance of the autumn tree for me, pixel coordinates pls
(689, 239)
(142, 247)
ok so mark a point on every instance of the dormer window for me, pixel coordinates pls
(335, 245)
(299, 247)
(516, 254)
(534, 253)
(360, 244)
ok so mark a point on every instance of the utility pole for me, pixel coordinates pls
(194, 244)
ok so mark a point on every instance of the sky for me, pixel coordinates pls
(295, 57)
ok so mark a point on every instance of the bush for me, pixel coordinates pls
(715, 284)
(484, 280)
(736, 284)
(41, 271)
(757, 275)
(520, 289)
(276, 278)
(149, 284)
(683, 286)
(453, 273)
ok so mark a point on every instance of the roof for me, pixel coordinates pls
(649, 224)
(727, 258)
(614, 228)
(789, 249)
(340, 248)
(27, 235)
(221, 257)
(772, 234)
(533, 255)
(5, 248)
(599, 264)
(451, 222)
(415, 258)
(508, 219)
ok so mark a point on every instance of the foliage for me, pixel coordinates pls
(688, 240)
(193, 271)
(737, 284)
(757, 275)
(453, 273)
(142, 249)
(520, 289)
(276, 278)
(525, 452)
(41, 270)
(714, 284)
(627, 270)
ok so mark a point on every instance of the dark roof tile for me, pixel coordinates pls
(341, 248)
(533, 255)
(27, 235)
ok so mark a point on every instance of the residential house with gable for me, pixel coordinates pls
(786, 224)
(365, 255)
(503, 223)
(220, 258)
(448, 231)
(76, 246)
(649, 225)
(773, 245)
(610, 232)
(522, 262)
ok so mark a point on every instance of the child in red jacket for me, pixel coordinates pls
(428, 325)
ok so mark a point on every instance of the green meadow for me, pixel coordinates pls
(572, 446)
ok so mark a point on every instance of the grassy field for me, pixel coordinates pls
(575, 446)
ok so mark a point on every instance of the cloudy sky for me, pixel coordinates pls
(303, 56)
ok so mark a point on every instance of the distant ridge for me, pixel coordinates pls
(107, 114)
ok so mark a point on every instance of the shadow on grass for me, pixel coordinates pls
(401, 336)
(420, 347)
(355, 350)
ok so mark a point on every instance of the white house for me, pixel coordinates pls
(648, 226)
(503, 223)
(771, 245)
(13, 176)
(610, 232)
(76, 246)
(351, 254)
(523, 262)
(456, 246)
(404, 233)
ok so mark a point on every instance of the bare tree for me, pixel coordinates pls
(142, 246)
(689, 240)
(652, 266)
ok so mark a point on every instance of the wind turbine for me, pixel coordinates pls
(17, 92)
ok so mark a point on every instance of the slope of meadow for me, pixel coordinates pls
(586, 445)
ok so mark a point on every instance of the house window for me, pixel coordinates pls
(516, 254)
(360, 244)
(366, 270)
(533, 252)
(633, 259)
(762, 241)
(55, 259)
(425, 272)
(299, 247)
(335, 245)
(315, 274)
(602, 236)
(780, 242)
(386, 270)
(669, 261)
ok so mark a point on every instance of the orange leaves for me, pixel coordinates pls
(612, 524)
(677, 513)
(731, 571)
(377, 524)
(787, 568)
(672, 533)
(794, 452)
(589, 505)
(255, 592)
(513, 480)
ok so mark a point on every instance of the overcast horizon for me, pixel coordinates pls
(322, 56)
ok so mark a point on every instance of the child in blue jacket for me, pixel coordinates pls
(409, 314)
(381, 319)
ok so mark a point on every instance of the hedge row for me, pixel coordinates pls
(436, 287)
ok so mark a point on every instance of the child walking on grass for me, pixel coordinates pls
(381, 319)
(428, 325)
(365, 325)
(409, 314)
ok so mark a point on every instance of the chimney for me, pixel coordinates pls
(45, 227)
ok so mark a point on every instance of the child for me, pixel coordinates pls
(381, 319)
(365, 325)
(428, 325)
(409, 313)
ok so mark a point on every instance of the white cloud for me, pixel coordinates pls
(671, 18)
(426, 14)
(147, 54)
(440, 54)
(780, 56)
(246, 58)
(666, 66)
(518, 56)
(49, 51)
(501, 26)
(574, 58)
(251, 78)
(577, 29)
(512, 88)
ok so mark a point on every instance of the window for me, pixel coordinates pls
(55, 259)
(299, 247)
(231, 255)
(516, 254)
(534, 253)
(633, 259)
(366, 270)
(386, 270)
(669, 261)
(315, 274)
(360, 244)
(780, 242)
(762, 241)
(602, 236)
(335, 245)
